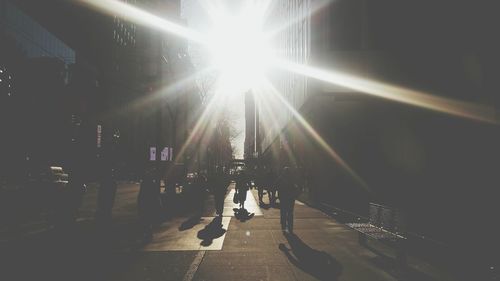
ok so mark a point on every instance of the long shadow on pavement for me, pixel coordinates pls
(319, 264)
(212, 231)
(242, 214)
(190, 223)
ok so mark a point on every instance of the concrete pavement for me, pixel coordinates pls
(252, 249)
(321, 250)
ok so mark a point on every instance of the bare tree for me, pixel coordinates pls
(206, 85)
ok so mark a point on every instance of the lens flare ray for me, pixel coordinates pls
(256, 17)
(210, 113)
(317, 137)
(391, 92)
(280, 27)
(136, 15)
(267, 105)
(169, 91)
(394, 93)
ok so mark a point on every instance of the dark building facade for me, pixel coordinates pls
(428, 164)
(252, 129)
(35, 75)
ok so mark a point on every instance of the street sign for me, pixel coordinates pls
(99, 136)
(152, 154)
(165, 153)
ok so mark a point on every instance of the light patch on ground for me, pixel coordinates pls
(250, 204)
(170, 238)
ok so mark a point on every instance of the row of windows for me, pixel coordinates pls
(123, 39)
(123, 26)
(294, 45)
(124, 33)
(5, 82)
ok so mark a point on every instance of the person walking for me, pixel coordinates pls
(106, 197)
(199, 191)
(288, 192)
(148, 203)
(242, 188)
(260, 182)
(271, 187)
(220, 184)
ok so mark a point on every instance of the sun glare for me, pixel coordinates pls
(239, 51)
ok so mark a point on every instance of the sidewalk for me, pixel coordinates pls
(256, 249)
(322, 250)
(187, 249)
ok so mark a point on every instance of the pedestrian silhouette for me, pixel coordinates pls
(241, 189)
(148, 203)
(106, 197)
(199, 192)
(271, 187)
(220, 184)
(288, 191)
(260, 182)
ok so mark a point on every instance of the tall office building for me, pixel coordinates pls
(33, 91)
(32, 38)
(252, 129)
(406, 155)
(293, 43)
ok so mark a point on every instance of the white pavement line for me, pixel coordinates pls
(194, 266)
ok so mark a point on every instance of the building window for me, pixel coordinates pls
(5, 82)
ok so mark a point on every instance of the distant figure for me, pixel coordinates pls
(260, 182)
(271, 187)
(288, 192)
(148, 203)
(106, 197)
(219, 186)
(242, 188)
(76, 192)
(199, 188)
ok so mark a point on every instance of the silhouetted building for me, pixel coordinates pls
(34, 69)
(252, 129)
(167, 118)
(412, 158)
(34, 39)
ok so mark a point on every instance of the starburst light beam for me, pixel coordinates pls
(395, 93)
(201, 124)
(317, 137)
(169, 91)
(138, 16)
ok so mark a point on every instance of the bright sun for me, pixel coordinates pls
(240, 52)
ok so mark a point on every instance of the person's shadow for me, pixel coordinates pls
(242, 214)
(319, 264)
(265, 206)
(190, 223)
(212, 231)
